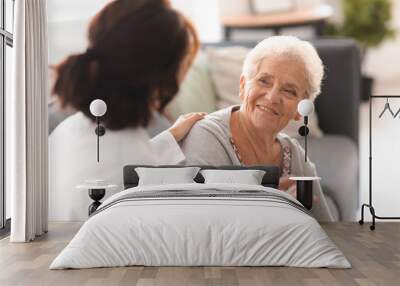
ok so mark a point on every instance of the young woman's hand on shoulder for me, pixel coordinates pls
(184, 123)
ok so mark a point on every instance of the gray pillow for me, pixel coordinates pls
(163, 176)
(247, 177)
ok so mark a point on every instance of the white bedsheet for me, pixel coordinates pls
(200, 231)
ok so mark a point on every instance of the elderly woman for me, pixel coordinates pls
(277, 74)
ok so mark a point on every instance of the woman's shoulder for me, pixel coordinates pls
(213, 128)
(79, 126)
(283, 137)
(75, 123)
(218, 120)
(223, 114)
(208, 141)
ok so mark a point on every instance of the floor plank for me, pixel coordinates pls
(374, 255)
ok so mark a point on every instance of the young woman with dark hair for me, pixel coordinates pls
(138, 53)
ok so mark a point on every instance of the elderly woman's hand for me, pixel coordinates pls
(184, 123)
(289, 187)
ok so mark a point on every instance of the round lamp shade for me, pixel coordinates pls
(98, 107)
(305, 107)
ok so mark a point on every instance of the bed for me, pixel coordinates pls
(201, 224)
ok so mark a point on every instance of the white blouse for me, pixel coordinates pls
(73, 159)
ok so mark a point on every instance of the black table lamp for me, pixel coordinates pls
(304, 188)
(305, 108)
(98, 108)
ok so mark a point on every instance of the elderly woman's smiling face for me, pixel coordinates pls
(270, 97)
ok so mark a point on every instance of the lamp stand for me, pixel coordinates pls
(305, 137)
(100, 131)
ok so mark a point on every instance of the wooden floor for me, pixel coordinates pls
(375, 257)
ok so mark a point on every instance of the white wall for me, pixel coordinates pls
(383, 62)
(67, 24)
(68, 21)
(205, 16)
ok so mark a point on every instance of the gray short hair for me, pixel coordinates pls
(288, 46)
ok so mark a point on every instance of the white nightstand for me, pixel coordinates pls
(304, 190)
(97, 190)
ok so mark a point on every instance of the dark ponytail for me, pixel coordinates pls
(74, 77)
(136, 52)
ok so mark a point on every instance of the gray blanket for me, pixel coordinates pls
(206, 194)
(197, 225)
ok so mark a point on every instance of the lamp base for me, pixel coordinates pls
(303, 131)
(96, 195)
(100, 130)
(305, 193)
(304, 190)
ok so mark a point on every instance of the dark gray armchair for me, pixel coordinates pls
(336, 155)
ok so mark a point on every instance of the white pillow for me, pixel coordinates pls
(247, 177)
(163, 176)
(226, 67)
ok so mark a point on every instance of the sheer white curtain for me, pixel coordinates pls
(27, 124)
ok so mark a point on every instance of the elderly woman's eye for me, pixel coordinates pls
(290, 92)
(263, 81)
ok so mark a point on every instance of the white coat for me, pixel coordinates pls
(73, 159)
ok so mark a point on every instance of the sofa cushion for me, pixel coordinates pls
(196, 93)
